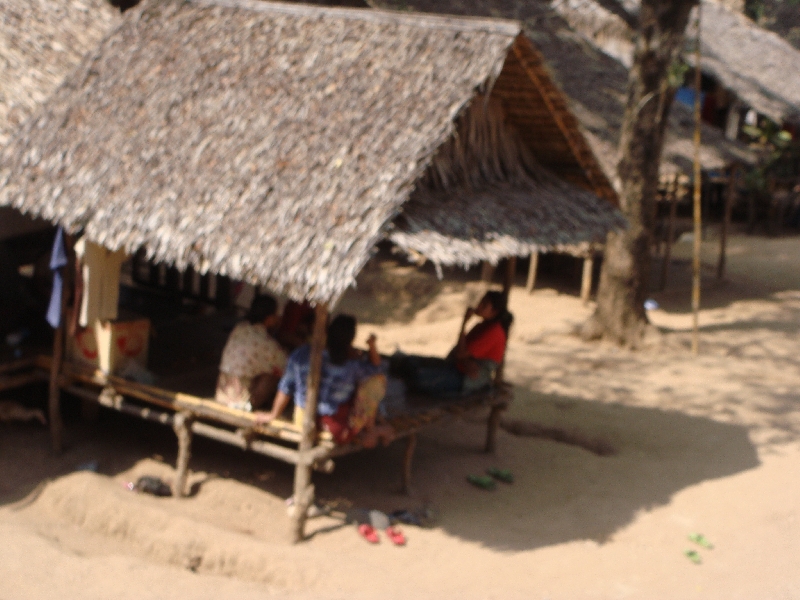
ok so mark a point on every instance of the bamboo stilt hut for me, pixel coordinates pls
(277, 144)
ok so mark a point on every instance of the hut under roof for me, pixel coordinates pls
(760, 67)
(277, 143)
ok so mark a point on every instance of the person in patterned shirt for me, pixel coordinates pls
(252, 361)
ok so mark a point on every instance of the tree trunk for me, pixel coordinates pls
(625, 276)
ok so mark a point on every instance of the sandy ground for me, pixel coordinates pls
(701, 444)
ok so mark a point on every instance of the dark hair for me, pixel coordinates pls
(341, 333)
(499, 303)
(263, 306)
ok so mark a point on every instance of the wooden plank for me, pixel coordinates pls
(18, 364)
(10, 382)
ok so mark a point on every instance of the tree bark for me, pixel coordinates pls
(625, 276)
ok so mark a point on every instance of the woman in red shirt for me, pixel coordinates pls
(471, 365)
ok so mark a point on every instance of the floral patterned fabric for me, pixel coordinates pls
(250, 352)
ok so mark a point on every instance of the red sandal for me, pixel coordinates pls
(368, 533)
(397, 537)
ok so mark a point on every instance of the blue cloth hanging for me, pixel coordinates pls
(58, 260)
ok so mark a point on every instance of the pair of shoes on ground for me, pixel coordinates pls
(369, 533)
(488, 481)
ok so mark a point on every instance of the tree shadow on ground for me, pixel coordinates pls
(562, 492)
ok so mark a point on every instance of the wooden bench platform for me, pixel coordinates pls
(191, 415)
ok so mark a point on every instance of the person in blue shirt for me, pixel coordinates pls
(343, 368)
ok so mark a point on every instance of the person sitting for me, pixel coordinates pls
(252, 361)
(344, 368)
(296, 325)
(473, 362)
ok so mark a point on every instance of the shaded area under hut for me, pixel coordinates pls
(277, 144)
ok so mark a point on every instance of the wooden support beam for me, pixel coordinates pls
(59, 342)
(182, 424)
(730, 196)
(586, 278)
(487, 272)
(303, 489)
(408, 456)
(509, 275)
(532, 268)
(492, 424)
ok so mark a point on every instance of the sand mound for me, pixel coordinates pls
(157, 529)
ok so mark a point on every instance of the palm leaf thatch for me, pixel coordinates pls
(274, 143)
(41, 42)
(485, 196)
(595, 82)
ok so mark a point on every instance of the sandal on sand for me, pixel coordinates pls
(368, 533)
(693, 556)
(504, 475)
(482, 481)
(701, 540)
(397, 537)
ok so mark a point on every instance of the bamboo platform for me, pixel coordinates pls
(191, 415)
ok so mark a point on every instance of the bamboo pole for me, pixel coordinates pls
(586, 278)
(303, 489)
(698, 232)
(534, 266)
(730, 193)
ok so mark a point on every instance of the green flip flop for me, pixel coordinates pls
(482, 481)
(504, 475)
(693, 556)
(701, 540)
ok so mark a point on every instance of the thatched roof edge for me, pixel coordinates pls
(498, 26)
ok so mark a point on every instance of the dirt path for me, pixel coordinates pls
(704, 444)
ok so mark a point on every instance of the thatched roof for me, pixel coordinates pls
(276, 143)
(41, 42)
(760, 67)
(595, 84)
(485, 196)
(757, 65)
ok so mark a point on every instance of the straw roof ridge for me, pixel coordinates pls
(508, 27)
(272, 146)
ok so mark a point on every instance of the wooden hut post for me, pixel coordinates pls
(59, 343)
(508, 276)
(303, 489)
(408, 455)
(487, 272)
(493, 422)
(54, 390)
(586, 277)
(730, 194)
(534, 266)
(182, 424)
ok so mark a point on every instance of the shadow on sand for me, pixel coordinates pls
(561, 493)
